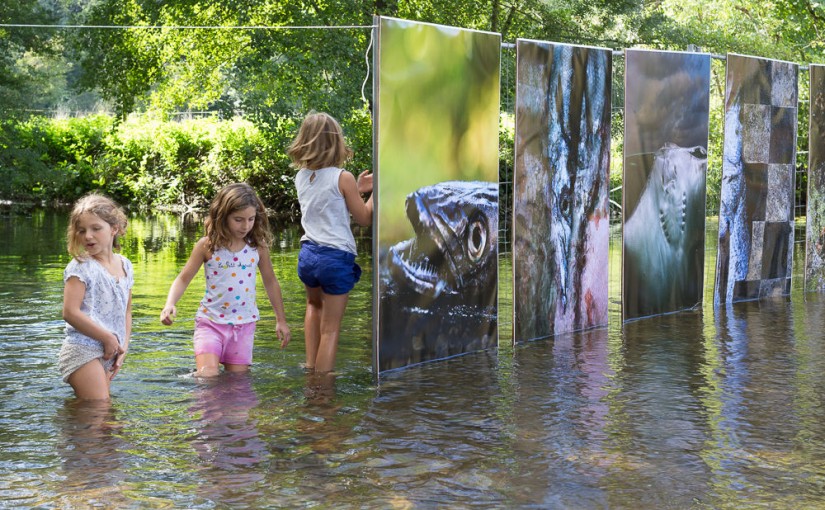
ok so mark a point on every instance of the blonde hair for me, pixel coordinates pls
(230, 199)
(104, 208)
(320, 143)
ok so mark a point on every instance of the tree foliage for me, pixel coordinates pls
(271, 72)
(786, 30)
(250, 59)
(28, 57)
(274, 71)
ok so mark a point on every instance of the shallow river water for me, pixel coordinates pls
(700, 409)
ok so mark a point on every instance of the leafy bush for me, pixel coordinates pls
(50, 159)
(149, 162)
(146, 161)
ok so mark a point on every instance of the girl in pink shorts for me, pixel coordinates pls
(235, 248)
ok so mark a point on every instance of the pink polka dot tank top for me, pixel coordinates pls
(230, 287)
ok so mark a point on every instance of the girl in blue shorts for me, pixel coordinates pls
(235, 247)
(328, 196)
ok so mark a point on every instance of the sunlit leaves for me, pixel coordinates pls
(784, 29)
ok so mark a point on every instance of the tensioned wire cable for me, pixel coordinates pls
(189, 27)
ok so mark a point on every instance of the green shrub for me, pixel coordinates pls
(148, 162)
(50, 159)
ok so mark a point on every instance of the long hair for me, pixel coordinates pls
(230, 199)
(320, 143)
(104, 208)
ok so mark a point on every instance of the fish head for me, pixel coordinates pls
(456, 238)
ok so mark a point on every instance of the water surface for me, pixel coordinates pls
(699, 409)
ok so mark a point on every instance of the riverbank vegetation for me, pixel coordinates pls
(146, 161)
(159, 117)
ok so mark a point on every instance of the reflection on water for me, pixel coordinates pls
(226, 438)
(700, 409)
(92, 454)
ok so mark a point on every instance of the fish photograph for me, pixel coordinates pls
(815, 231)
(440, 286)
(560, 189)
(756, 212)
(436, 185)
(667, 104)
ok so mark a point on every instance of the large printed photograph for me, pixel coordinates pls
(667, 97)
(815, 233)
(756, 217)
(437, 192)
(560, 196)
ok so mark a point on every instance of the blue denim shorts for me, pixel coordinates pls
(334, 270)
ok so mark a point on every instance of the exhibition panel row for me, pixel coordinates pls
(436, 131)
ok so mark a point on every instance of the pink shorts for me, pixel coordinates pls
(230, 343)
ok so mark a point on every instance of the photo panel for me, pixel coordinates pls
(436, 234)
(815, 232)
(756, 216)
(561, 221)
(667, 101)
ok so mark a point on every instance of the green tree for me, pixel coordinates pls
(804, 23)
(28, 64)
(275, 72)
(786, 29)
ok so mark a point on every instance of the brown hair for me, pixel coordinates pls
(320, 143)
(231, 198)
(104, 208)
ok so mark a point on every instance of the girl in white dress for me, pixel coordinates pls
(97, 298)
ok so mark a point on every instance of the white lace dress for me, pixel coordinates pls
(105, 303)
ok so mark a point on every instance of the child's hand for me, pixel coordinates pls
(282, 330)
(111, 347)
(364, 182)
(118, 363)
(168, 314)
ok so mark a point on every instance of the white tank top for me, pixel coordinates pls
(230, 286)
(324, 214)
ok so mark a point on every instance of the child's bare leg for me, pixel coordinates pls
(320, 387)
(230, 367)
(332, 313)
(91, 381)
(312, 324)
(208, 365)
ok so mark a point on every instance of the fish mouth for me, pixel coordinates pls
(451, 244)
(417, 261)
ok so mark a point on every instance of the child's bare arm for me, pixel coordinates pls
(73, 294)
(200, 253)
(361, 211)
(273, 292)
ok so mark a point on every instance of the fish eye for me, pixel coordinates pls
(477, 240)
